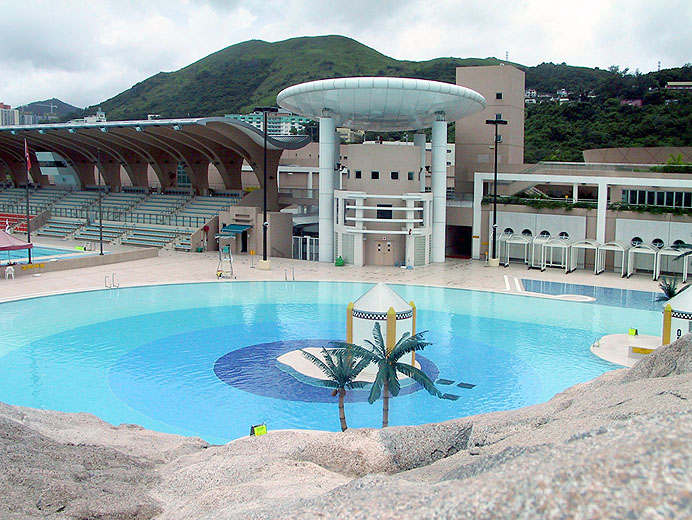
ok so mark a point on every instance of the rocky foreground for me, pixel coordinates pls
(619, 446)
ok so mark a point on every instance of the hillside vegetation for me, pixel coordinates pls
(249, 74)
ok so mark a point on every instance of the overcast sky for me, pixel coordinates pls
(86, 51)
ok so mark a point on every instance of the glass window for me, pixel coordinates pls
(498, 117)
(527, 233)
(544, 234)
(374, 175)
(509, 230)
(660, 198)
(678, 243)
(359, 174)
(625, 194)
(687, 199)
(499, 138)
(678, 199)
(498, 95)
(651, 197)
(636, 241)
(669, 198)
(394, 176)
(633, 197)
(564, 235)
(384, 213)
(657, 242)
(641, 197)
(410, 175)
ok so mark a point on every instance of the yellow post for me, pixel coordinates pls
(413, 331)
(349, 322)
(391, 330)
(667, 315)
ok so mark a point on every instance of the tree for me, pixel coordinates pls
(389, 367)
(341, 368)
(669, 288)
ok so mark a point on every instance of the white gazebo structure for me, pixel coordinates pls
(670, 254)
(645, 251)
(381, 104)
(560, 246)
(514, 242)
(578, 254)
(380, 305)
(615, 248)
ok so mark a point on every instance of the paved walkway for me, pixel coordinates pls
(177, 267)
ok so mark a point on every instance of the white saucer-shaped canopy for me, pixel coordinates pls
(381, 103)
(379, 299)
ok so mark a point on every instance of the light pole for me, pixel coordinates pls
(27, 167)
(496, 123)
(265, 223)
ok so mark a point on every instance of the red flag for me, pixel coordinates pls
(26, 156)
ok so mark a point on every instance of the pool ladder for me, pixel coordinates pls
(293, 274)
(112, 282)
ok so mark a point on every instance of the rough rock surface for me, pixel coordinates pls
(615, 447)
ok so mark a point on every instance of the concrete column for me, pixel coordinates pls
(326, 190)
(337, 159)
(575, 193)
(309, 184)
(601, 212)
(409, 236)
(439, 188)
(476, 225)
(419, 141)
(359, 238)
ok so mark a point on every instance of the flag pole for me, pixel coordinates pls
(27, 165)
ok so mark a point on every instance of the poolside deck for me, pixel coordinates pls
(181, 267)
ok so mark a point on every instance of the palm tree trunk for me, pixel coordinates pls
(385, 405)
(342, 413)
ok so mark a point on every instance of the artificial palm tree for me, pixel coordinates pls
(669, 286)
(389, 367)
(341, 367)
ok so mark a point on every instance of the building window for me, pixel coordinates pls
(669, 198)
(499, 138)
(564, 235)
(374, 175)
(651, 197)
(385, 214)
(498, 117)
(359, 174)
(636, 241)
(657, 243)
(687, 199)
(509, 231)
(544, 234)
(678, 243)
(660, 198)
(498, 95)
(182, 177)
(527, 233)
(394, 176)
(410, 175)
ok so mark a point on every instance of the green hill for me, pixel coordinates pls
(249, 74)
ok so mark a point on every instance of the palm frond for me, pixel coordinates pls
(408, 344)
(318, 363)
(363, 353)
(393, 380)
(376, 389)
(419, 377)
(680, 247)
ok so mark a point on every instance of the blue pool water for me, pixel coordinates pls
(200, 359)
(613, 297)
(44, 253)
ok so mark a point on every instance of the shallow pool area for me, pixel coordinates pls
(40, 253)
(200, 359)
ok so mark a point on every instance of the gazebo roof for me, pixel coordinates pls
(379, 299)
(682, 301)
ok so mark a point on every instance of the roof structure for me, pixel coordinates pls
(135, 146)
(381, 103)
(379, 299)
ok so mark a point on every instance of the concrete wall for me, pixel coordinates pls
(643, 155)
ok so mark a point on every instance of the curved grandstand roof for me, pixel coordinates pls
(136, 145)
(381, 103)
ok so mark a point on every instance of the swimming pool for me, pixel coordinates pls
(200, 359)
(38, 252)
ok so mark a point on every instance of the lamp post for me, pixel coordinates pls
(495, 122)
(265, 223)
(27, 167)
